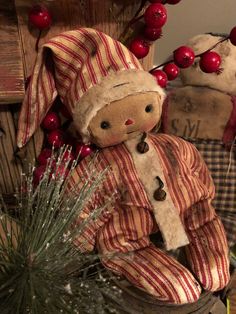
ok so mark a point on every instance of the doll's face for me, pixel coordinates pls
(126, 118)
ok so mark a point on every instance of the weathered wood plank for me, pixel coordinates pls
(10, 168)
(11, 162)
(11, 69)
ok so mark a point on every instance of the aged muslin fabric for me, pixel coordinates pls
(124, 230)
(222, 165)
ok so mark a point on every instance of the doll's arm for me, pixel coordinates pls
(207, 252)
(97, 209)
(125, 248)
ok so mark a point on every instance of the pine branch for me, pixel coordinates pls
(41, 270)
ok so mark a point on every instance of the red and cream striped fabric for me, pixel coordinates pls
(68, 66)
(122, 234)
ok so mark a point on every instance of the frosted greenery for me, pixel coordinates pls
(41, 270)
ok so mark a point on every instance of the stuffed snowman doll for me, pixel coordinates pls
(203, 111)
(160, 182)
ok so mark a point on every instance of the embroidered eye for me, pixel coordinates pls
(149, 108)
(105, 125)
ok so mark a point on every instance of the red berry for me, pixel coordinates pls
(51, 121)
(172, 1)
(184, 57)
(171, 70)
(161, 77)
(139, 47)
(210, 62)
(152, 34)
(155, 15)
(38, 174)
(56, 138)
(232, 36)
(43, 157)
(83, 150)
(40, 17)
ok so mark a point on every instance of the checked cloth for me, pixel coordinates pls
(222, 165)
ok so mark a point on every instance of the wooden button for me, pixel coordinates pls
(142, 147)
(159, 195)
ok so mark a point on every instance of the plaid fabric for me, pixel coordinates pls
(222, 165)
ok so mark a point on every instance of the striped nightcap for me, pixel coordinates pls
(87, 70)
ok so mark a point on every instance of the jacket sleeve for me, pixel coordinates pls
(207, 252)
(202, 211)
(93, 181)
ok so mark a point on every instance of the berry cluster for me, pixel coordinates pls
(56, 137)
(155, 18)
(184, 57)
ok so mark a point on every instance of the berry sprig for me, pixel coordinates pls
(184, 57)
(155, 17)
(40, 18)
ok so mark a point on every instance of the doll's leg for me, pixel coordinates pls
(208, 254)
(126, 248)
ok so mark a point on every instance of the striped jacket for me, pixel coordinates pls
(185, 216)
(187, 179)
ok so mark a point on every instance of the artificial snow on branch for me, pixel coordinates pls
(42, 271)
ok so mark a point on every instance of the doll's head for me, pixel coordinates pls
(126, 118)
(110, 97)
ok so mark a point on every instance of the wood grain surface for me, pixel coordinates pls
(11, 68)
(10, 168)
(12, 162)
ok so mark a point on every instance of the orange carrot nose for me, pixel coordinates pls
(129, 121)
